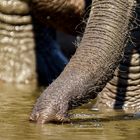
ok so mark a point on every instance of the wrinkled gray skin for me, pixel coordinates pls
(28, 50)
(91, 70)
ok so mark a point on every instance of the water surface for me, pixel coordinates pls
(16, 104)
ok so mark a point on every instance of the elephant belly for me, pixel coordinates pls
(17, 57)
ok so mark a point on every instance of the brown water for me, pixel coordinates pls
(15, 107)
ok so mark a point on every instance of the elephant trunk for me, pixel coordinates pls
(94, 62)
(101, 49)
(64, 15)
(102, 46)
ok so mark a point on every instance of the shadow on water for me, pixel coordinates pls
(132, 46)
(79, 118)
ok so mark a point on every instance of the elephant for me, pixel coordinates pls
(105, 64)
(29, 52)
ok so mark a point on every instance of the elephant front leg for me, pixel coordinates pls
(123, 91)
(17, 58)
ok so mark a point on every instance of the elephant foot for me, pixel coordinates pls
(115, 98)
(123, 91)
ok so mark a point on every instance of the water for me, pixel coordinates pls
(16, 104)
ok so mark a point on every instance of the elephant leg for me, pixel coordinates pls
(17, 58)
(123, 91)
(22, 41)
(93, 64)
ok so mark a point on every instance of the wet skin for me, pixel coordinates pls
(93, 64)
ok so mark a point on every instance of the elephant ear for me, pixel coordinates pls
(66, 16)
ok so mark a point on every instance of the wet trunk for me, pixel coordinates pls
(96, 58)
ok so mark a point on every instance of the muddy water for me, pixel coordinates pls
(15, 106)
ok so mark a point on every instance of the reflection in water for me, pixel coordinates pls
(16, 104)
